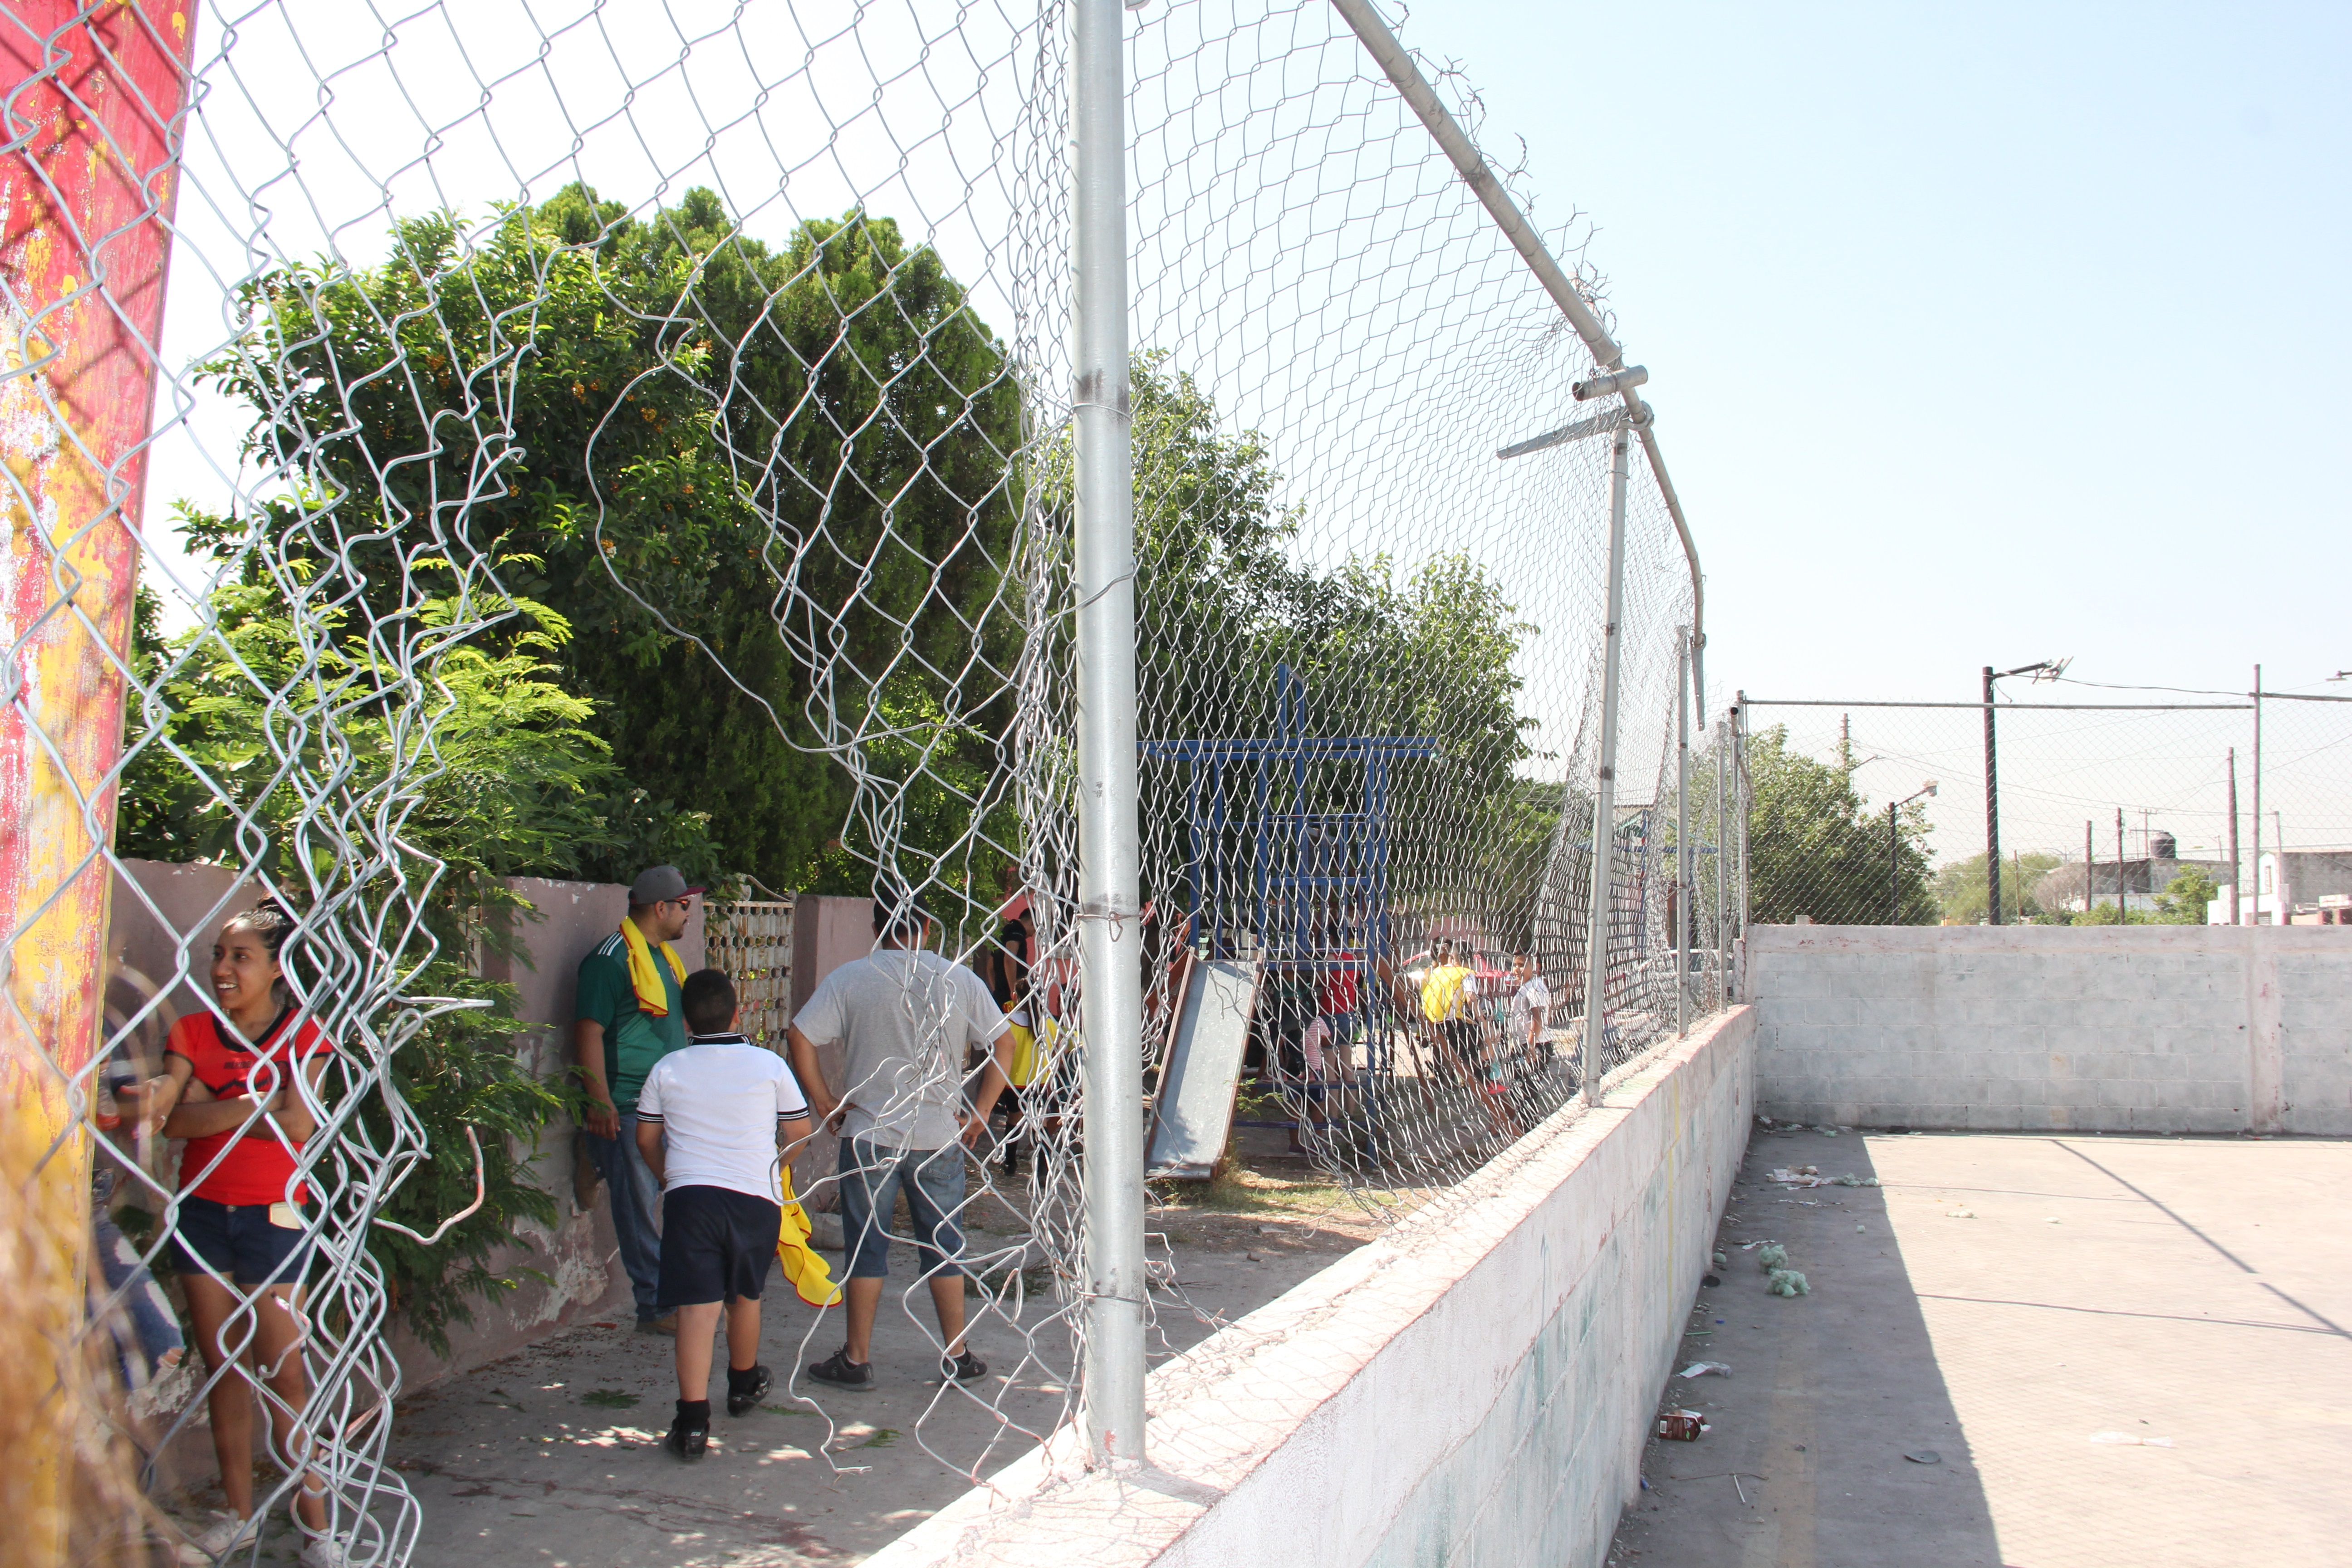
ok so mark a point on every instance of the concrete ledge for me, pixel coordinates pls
(1473, 1389)
(2137, 1028)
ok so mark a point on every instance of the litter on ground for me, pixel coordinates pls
(1789, 1282)
(2131, 1440)
(1702, 1368)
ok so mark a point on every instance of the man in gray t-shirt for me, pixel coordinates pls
(904, 1018)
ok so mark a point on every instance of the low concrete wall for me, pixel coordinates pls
(2132, 1028)
(1474, 1389)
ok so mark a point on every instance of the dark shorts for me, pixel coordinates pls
(1460, 1037)
(716, 1245)
(238, 1242)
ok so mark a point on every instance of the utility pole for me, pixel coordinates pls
(1992, 814)
(2258, 794)
(2090, 866)
(2122, 871)
(2237, 872)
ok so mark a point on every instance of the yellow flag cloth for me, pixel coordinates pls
(653, 1001)
(802, 1264)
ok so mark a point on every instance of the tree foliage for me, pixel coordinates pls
(726, 463)
(1960, 887)
(1223, 599)
(1815, 851)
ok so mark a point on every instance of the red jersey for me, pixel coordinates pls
(257, 1169)
(1340, 987)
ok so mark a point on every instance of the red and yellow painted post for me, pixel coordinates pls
(92, 98)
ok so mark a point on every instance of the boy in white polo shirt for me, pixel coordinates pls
(712, 1122)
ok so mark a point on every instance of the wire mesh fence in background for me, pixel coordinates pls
(2098, 800)
(608, 433)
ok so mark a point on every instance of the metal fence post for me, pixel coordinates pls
(1604, 794)
(1110, 935)
(1723, 854)
(1682, 830)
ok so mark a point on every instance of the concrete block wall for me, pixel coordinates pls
(2146, 1029)
(1473, 1389)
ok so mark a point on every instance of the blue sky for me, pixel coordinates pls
(1981, 334)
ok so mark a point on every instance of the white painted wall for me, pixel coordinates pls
(2138, 1029)
(1474, 1389)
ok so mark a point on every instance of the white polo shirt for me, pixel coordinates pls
(718, 1102)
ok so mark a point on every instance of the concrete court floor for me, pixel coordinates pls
(551, 1458)
(2192, 1291)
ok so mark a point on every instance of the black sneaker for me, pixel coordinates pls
(687, 1442)
(841, 1371)
(964, 1368)
(745, 1389)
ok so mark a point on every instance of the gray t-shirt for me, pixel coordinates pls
(906, 1019)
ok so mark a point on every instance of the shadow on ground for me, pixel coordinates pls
(1805, 1461)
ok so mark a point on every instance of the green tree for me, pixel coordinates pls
(1960, 887)
(1223, 601)
(769, 486)
(1814, 849)
(2184, 899)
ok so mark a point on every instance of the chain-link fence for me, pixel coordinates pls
(613, 433)
(2108, 805)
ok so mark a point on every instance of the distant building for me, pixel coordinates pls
(2143, 879)
(2315, 890)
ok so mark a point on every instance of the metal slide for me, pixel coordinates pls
(1193, 1111)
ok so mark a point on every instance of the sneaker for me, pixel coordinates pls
(219, 1531)
(687, 1442)
(841, 1371)
(323, 1551)
(752, 1388)
(668, 1325)
(964, 1368)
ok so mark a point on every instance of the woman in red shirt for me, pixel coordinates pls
(227, 1087)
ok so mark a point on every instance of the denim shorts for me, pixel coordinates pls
(238, 1241)
(872, 1176)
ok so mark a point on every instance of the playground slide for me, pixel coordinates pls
(1194, 1109)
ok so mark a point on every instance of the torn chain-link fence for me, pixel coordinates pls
(596, 434)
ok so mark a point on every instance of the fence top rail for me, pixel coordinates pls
(2019, 707)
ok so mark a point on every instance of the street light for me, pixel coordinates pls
(2048, 670)
(1894, 853)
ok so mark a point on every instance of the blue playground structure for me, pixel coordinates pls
(1283, 883)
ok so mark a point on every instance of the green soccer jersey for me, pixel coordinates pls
(633, 1041)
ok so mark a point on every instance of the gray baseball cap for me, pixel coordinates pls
(659, 884)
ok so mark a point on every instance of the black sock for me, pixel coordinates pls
(740, 1382)
(694, 1413)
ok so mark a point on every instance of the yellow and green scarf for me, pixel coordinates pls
(653, 1001)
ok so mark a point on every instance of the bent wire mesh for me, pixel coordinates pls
(591, 434)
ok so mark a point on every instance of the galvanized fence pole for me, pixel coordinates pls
(1110, 857)
(1723, 854)
(1682, 830)
(1604, 794)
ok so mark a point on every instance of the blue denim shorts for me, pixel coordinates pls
(872, 1176)
(238, 1241)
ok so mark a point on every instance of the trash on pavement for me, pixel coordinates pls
(1774, 1256)
(1925, 1456)
(1680, 1426)
(2131, 1440)
(1701, 1369)
(1961, 1214)
(1789, 1282)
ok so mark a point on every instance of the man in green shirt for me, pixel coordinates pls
(617, 1036)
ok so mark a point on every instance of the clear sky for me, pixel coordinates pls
(1980, 333)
